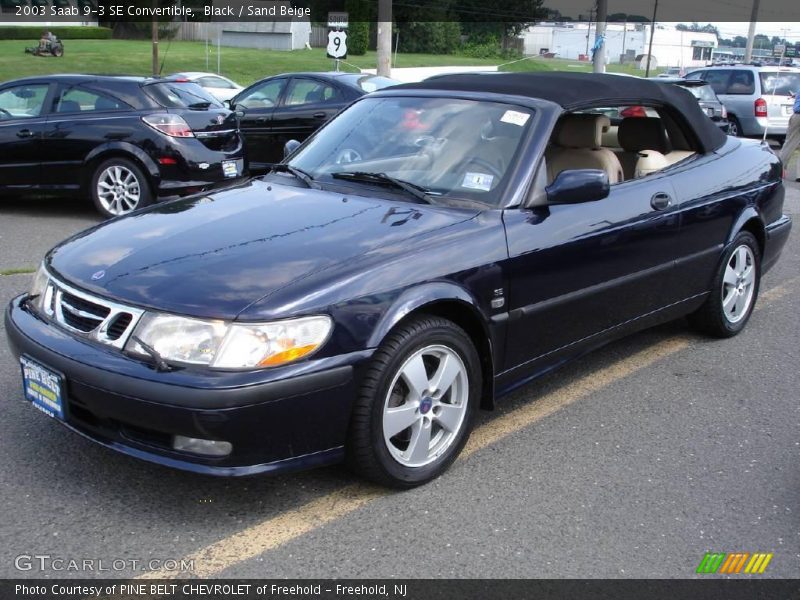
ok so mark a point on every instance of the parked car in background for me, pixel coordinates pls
(434, 247)
(672, 72)
(123, 141)
(757, 98)
(218, 86)
(706, 98)
(293, 106)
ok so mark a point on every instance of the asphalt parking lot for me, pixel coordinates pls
(632, 462)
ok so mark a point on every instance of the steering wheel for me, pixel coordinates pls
(5, 112)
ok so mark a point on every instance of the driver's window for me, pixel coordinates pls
(23, 101)
(265, 95)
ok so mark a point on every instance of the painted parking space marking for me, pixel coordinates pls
(276, 531)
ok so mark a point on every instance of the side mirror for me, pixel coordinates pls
(290, 147)
(228, 104)
(577, 186)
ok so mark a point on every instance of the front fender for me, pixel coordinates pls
(417, 297)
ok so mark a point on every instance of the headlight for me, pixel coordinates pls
(39, 287)
(229, 345)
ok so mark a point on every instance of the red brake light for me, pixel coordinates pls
(761, 107)
(182, 80)
(633, 111)
(168, 124)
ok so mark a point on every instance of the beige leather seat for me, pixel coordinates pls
(577, 144)
(645, 146)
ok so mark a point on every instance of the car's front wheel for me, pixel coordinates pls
(734, 290)
(118, 187)
(416, 406)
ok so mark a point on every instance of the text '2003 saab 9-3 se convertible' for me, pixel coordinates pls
(433, 247)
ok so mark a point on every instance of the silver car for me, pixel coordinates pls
(757, 98)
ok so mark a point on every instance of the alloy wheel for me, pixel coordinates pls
(118, 190)
(738, 284)
(426, 406)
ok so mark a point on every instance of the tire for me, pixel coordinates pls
(378, 447)
(119, 187)
(57, 50)
(734, 127)
(734, 291)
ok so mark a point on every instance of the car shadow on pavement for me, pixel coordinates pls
(48, 207)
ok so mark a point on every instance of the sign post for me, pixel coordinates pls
(337, 36)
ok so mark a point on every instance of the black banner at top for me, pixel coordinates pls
(787, 12)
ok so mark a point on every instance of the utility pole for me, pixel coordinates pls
(599, 59)
(385, 38)
(652, 35)
(154, 33)
(751, 33)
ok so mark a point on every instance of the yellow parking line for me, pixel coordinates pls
(285, 527)
(274, 532)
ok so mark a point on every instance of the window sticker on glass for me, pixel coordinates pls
(515, 117)
(478, 181)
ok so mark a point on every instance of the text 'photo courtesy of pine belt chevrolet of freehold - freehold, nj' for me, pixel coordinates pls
(399, 299)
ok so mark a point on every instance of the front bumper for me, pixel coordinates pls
(287, 418)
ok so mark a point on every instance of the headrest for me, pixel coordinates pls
(582, 130)
(642, 133)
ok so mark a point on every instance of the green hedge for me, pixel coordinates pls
(63, 33)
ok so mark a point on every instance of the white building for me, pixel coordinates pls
(671, 48)
(290, 33)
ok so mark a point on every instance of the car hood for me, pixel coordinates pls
(214, 255)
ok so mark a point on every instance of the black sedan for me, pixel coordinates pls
(706, 98)
(293, 106)
(478, 235)
(123, 141)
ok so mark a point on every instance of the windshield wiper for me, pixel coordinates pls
(415, 190)
(299, 173)
(161, 365)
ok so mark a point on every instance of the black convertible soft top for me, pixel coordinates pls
(572, 91)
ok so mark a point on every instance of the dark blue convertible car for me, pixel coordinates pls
(433, 247)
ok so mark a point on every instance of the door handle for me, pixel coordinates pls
(661, 201)
(24, 133)
(319, 115)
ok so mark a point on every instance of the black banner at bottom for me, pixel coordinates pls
(408, 589)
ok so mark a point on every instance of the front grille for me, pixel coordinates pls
(90, 316)
(82, 314)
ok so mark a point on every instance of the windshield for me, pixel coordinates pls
(781, 82)
(701, 92)
(172, 94)
(444, 146)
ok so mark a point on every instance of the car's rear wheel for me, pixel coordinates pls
(119, 187)
(734, 290)
(734, 127)
(415, 410)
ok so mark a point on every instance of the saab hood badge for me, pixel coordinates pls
(99, 275)
(220, 119)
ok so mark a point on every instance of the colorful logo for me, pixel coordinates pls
(723, 563)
